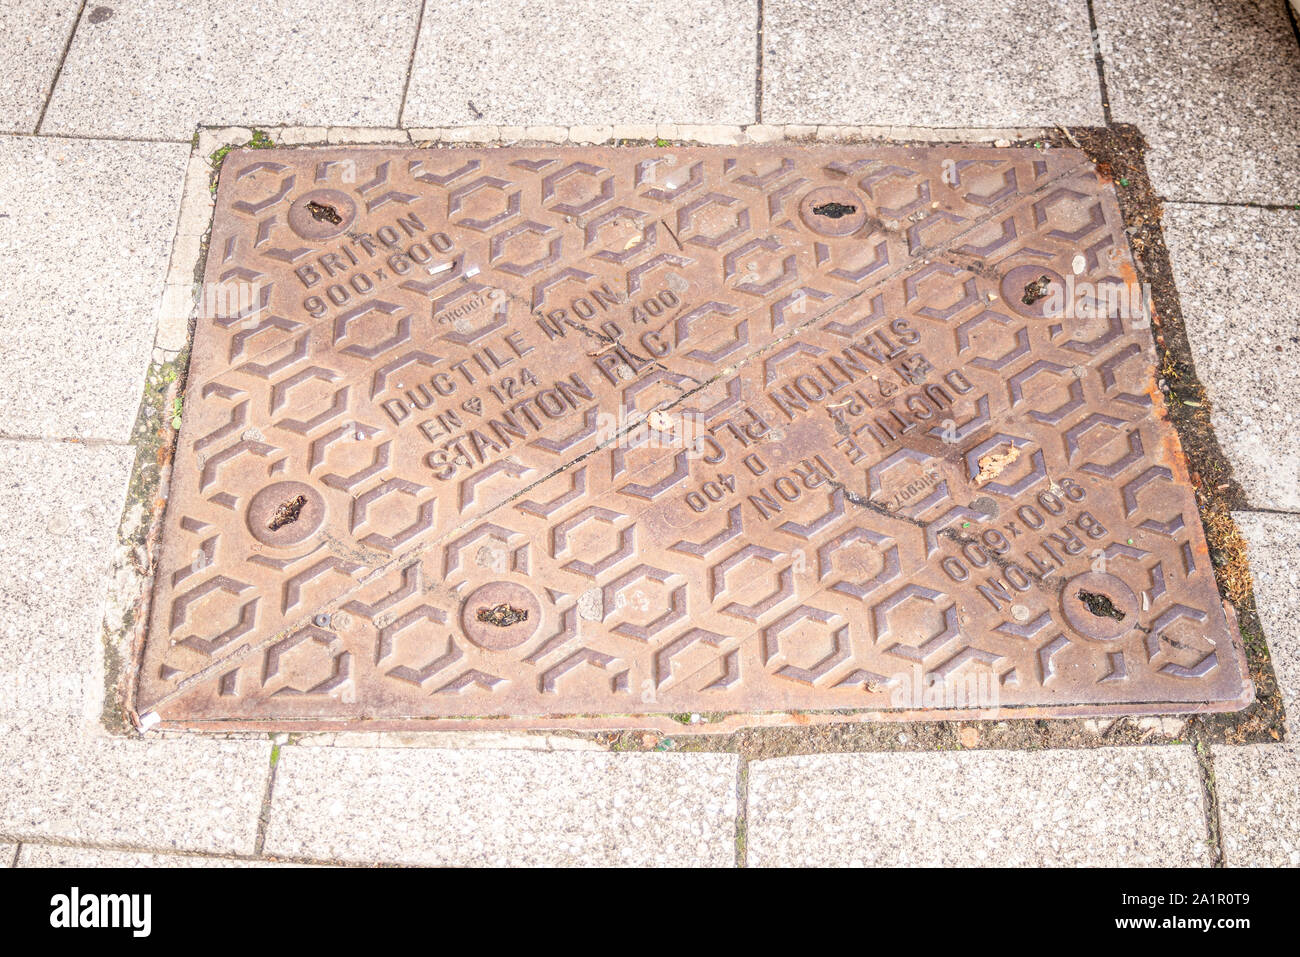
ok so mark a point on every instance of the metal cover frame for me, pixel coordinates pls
(590, 437)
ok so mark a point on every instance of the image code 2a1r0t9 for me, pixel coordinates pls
(583, 437)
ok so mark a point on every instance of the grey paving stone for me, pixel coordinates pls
(61, 504)
(32, 37)
(958, 63)
(155, 70)
(56, 855)
(1214, 87)
(1235, 268)
(7, 853)
(87, 230)
(66, 783)
(1112, 806)
(62, 779)
(436, 807)
(1259, 804)
(1273, 543)
(531, 62)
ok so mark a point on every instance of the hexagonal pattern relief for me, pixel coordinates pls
(539, 434)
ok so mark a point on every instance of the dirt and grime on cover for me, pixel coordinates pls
(917, 337)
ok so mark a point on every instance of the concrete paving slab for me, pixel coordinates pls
(57, 855)
(525, 62)
(1214, 87)
(61, 503)
(959, 63)
(543, 433)
(1118, 807)
(67, 783)
(8, 855)
(1259, 804)
(155, 70)
(33, 34)
(1235, 268)
(504, 808)
(85, 237)
(1272, 542)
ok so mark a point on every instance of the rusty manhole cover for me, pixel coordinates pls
(563, 436)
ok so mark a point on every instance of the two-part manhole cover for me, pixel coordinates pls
(539, 434)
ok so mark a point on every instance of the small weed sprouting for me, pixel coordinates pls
(260, 141)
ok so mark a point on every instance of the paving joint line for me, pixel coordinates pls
(93, 138)
(91, 441)
(18, 849)
(1291, 15)
(410, 63)
(1251, 510)
(1094, 37)
(1236, 204)
(58, 72)
(56, 841)
(742, 812)
(758, 69)
(264, 812)
(1210, 794)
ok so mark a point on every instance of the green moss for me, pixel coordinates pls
(260, 141)
(148, 437)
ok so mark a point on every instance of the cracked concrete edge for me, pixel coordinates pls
(590, 135)
(179, 304)
(130, 577)
(478, 740)
(130, 568)
(130, 573)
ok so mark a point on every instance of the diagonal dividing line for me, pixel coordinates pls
(913, 261)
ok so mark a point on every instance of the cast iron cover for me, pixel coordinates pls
(566, 436)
